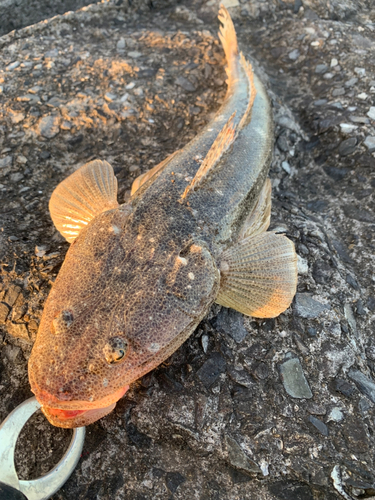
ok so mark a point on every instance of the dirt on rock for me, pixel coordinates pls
(256, 409)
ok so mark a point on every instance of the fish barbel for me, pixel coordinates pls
(139, 277)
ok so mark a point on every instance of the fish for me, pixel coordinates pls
(139, 277)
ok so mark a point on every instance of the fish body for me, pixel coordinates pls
(139, 277)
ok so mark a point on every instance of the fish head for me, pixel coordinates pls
(123, 302)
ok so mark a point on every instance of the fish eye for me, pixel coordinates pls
(62, 321)
(115, 350)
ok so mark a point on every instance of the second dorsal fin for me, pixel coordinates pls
(222, 142)
(89, 191)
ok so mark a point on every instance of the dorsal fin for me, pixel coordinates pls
(222, 142)
(89, 191)
(228, 39)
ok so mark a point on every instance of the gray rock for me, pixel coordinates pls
(348, 311)
(294, 55)
(294, 380)
(237, 457)
(134, 54)
(371, 113)
(351, 82)
(186, 84)
(319, 425)
(337, 92)
(321, 68)
(6, 162)
(230, 322)
(307, 307)
(358, 214)
(121, 44)
(347, 147)
(49, 126)
(369, 142)
(209, 372)
(364, 384)
(12, 66)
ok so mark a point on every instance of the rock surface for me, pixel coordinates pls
(130, 85)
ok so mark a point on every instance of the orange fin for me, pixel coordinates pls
(155, 171)
(259, 275)
(89, 191)
(221, 144)
(228, 39)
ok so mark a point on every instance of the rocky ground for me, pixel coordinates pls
(245, 409)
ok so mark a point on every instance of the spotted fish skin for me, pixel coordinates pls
(138, 278)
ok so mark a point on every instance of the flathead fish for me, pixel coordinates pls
(139, 277)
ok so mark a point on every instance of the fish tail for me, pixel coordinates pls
(228, 39)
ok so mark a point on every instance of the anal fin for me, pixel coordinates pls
(89, 191)
(259, 275)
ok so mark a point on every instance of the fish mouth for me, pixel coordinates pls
(72, 414)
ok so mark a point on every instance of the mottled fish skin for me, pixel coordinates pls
(140, 277)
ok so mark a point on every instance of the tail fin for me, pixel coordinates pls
(228, 39)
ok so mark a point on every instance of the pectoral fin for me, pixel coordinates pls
(89, 191)
(259, 275)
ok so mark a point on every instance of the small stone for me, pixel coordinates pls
(359, 119)
(134, 54)
(360, 71)
(4, 311)
(209, 372)
(337, 92)
(336, 415)
(355, 213)
(348, 311)
(40, 250)
(21, 159)
(334, 62)
(319, 425)
(347, 147)
(49, 126)
(302, 266)
(130, 86)
(294, 380)
(173, 480)
(364, 384)
(6, 162)
(12, 66)
(371, 113)
(109, 97)
(230, 3)
(307, 307)
(363, 96)
(369, 142)
(138, 92)
(352, 282)
(294, 55)
(321, 68)
(320, 102)
(12, 294)
(347, 128)
(328, 76)
(237, 457)
(344, 387)
(285, 165)
(121, 44)
(19, 331)
(230, 322)
(351, 82)
(16, 117)
(204, 341)
(185, 84)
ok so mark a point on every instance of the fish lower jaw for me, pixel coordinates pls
(70, 419)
